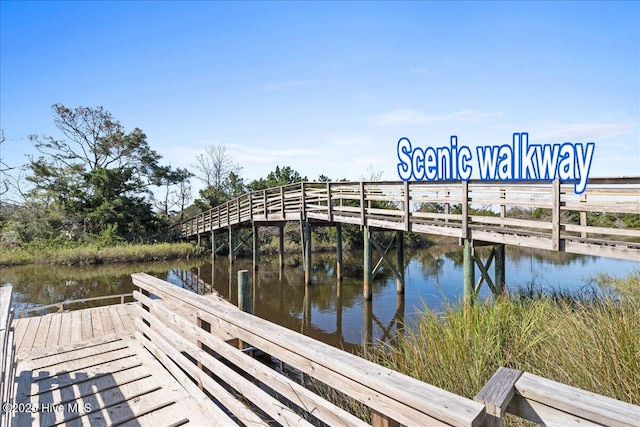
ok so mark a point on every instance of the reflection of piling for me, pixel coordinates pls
(339, 252)
(244, 292)
(368, 324)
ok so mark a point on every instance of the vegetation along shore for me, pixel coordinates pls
(589, 340)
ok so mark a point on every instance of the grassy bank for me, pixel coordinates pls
(588, 342)
(98, 254)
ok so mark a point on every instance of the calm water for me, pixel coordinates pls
(335, 314)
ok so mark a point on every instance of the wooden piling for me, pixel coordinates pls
(339, 252)
(232, 252)
(468, 272)
(256, 247)
(213, 245)
(400, 260)
(366, 288)
(499, 266)
(281, 246)
(307, 252)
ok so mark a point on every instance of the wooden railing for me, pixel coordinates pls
(550, 403)
(7, 354)
(500, 212)
(199, 348)
(62, 304)
(206, 349)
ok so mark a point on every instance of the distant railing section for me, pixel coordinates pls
(62, 304)
(7, 354)
(546, 215)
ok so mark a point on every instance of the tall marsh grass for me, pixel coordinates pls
(94, 254)
(590, 341)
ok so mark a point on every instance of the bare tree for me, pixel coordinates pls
(214, 168)
(374, 175)
(4, 183)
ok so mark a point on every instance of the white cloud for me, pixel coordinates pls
(412, 116)
(583, 131)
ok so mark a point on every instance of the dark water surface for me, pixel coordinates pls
(328, 311)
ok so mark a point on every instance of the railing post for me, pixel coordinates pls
(583, 216)
(363, 219)
(465, 209)
(264, 202)
(496, 395)
(379, 420)
(282, 204)
(303, 208)
(329, 207)
(555, 216)
(407, 207)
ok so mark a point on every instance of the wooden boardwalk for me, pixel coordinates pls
(180, 367)
(477, 211)
(57, 329)
(107, 381)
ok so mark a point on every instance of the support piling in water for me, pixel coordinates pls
(366, 287)
(256, 247)
(281, 246)
(499, 266)
(400, 261)
(339, 252)
(306, 241)
(468, 272)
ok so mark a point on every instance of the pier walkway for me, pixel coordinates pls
(543, 215)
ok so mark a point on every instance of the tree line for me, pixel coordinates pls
(96, 181)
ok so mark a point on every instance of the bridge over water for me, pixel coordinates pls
(478, 213)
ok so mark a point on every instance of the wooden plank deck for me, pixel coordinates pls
(109, 380)
(51, 330)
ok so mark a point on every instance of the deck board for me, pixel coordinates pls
(41, 332)
(114, 376)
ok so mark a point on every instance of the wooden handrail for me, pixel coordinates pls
(60, 305)
(399, 397)
(552, 230)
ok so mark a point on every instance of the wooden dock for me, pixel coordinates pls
(189, 362)
(71, 327)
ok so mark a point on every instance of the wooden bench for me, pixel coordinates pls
(198, 353)
(550, 403)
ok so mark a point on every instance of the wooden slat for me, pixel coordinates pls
(30, 335)
(322, 409)
(43, 332)
(587, 405)
(384, 390)
(64, 336)
(76, 326)
(239, 408)
(54, 331)
(86, 326)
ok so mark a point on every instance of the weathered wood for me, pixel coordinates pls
(339, 252)
(249, 390)
(244, 291)
(402, 398)
(313, 200)
(497, 394)
(301, 396)
(468, 271)
(560, 397)
(368, 273)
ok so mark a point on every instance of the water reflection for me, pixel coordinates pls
(326, 310)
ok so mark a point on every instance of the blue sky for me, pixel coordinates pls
(328, 87)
